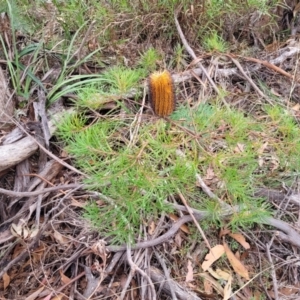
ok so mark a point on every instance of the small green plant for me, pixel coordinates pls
(263, 6)
(214, 42)
(150, 59)
(66, 12)
(68, 83)
(95, 97)
(110, 87)
(135, 174)
(180, 58)
(22, 77)
(17, 19)
(122, 79)
(72, 125)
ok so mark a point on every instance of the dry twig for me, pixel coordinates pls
(249, 79)
(35, 240)
(190, 211)
(46, 190)
(193, 55)
(273, 272)
(134, 268)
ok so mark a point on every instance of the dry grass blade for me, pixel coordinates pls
(194, 219)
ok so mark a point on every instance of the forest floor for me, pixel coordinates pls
(102, 199)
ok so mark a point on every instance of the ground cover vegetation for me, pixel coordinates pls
(143, 207)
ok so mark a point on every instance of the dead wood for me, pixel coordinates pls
(12, 154)
(35, 193)
(50, 171)
(6, 103)
(181, 293)
(278, 196)
(34, 240)
(16, 148)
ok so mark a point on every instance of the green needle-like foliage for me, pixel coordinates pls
(137, 172)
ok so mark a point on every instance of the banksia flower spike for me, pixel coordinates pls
(161, 93)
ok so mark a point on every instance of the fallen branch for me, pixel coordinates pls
(36, 193)
(12, 154)
(16, 152)
(271, 66)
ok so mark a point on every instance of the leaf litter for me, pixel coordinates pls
(68, 241)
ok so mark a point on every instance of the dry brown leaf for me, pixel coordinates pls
(241, 239)
(223, 274)
(190, 274)
(257, 295)
(99, 249)
(213, 273)
(34, 232)
(100, 202)
(235, 263)
(272, 89)
(237, 254)
(151, 228)
(178, 239)
(64, 279)
(215, 253)
(219, 274)
(210, 174)
(76, 203)
(288, 290)
(35, 294)
(227, 289)
(49, 297)
(296, 107)
(25, 233)
(183, 227)
(60, 238)
(6, 280)
(58, 297)
(38, 253)
(17, 251)
(216, 285)
(207, 286)
(262, 148)
(16, 230)
(223, 232)
(239, 148)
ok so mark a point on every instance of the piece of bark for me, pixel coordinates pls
(40, 110)
(21, 180)
(277, 196)
(12, 154)
(35, 129)
(15, 135)
(6, 103)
